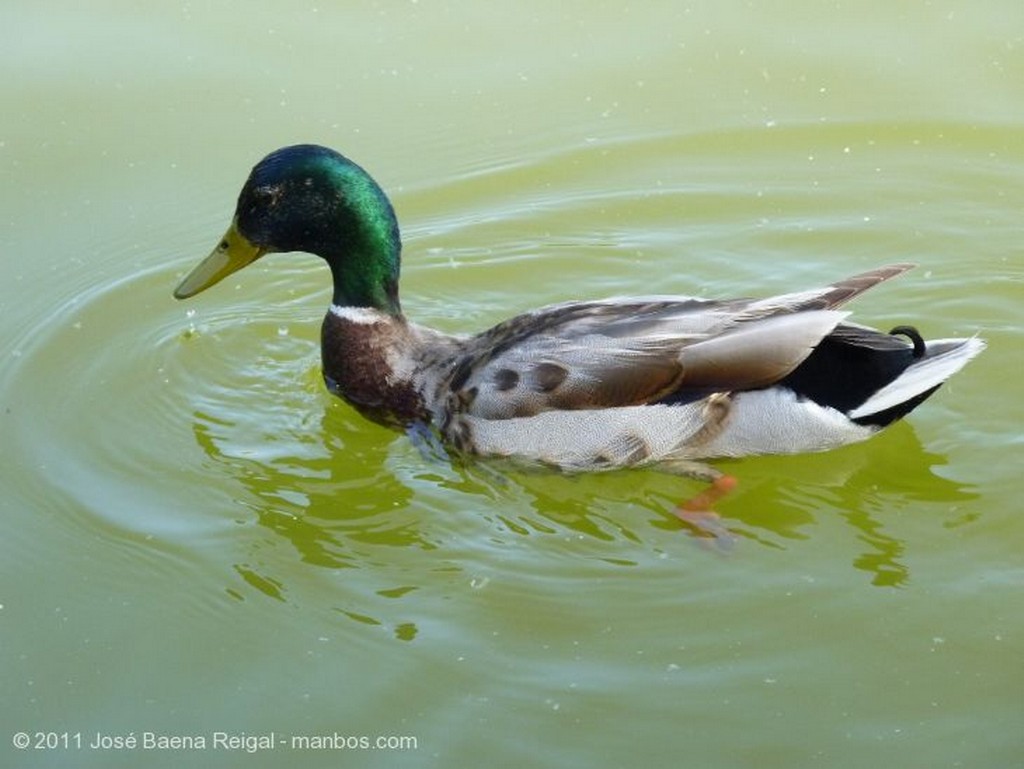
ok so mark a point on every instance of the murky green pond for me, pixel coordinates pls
(198, 544)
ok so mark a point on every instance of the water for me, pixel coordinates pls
(196, 538)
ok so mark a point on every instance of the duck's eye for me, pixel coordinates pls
(267, 195)
(222, 246)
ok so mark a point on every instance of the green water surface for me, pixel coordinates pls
(196, 539)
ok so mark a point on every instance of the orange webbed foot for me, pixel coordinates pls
(704, 523)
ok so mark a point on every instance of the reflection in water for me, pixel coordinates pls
(338, 505)
(777, 501)
(335, 514)
(266, 585)
(864, 485)
(882, 560)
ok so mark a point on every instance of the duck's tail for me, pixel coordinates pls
(940, 359)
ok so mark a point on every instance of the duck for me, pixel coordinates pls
(673, 382)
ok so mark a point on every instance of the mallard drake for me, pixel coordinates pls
(583, 385)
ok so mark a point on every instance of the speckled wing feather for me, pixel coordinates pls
(624, 352)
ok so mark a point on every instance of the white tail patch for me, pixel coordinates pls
(942, 359)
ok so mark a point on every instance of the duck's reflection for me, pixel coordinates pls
(348, 506)
(337, 506)
(779, 501)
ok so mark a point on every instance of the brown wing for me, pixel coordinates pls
(621, 352)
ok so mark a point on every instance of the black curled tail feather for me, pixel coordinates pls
(853, 363)
(913, 335)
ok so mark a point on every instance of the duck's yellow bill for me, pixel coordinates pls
(233, 253)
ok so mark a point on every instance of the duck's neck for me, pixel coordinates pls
(370, 280)
(365, 354)
(361, 242)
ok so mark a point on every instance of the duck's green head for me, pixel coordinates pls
(313, 199)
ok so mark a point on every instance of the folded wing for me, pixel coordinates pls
(625, 352)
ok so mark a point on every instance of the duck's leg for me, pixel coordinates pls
(696, 512)
(701, 503)
(691, 469)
